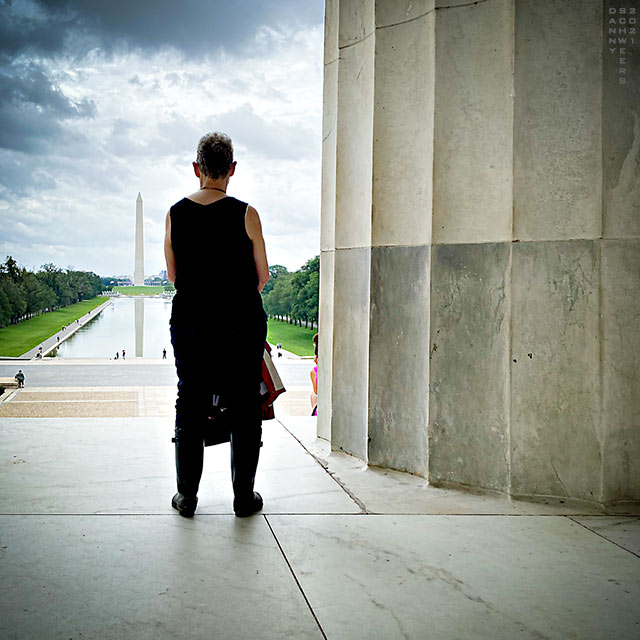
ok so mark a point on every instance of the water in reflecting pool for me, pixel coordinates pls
(140, 326)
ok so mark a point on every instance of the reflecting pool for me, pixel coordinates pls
(140, 326)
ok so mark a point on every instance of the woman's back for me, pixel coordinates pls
(216, 274)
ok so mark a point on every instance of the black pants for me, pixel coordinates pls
(231, 371)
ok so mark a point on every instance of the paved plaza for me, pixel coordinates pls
(90, 547)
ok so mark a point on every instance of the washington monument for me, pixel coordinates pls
(138, 274)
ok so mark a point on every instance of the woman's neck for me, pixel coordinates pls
(219, 184)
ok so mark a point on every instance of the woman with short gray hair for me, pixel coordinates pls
(216, 256)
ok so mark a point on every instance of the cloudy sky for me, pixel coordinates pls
(100, 100)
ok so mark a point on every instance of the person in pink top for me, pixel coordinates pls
(313, 374)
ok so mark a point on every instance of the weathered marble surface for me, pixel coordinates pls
(325, 343)
(461, 577)
(532, 159)
(399, 343)
(147, 578)
(620, 429)
(356, 22)
(350, 381)
(384, 491)
(620, 126)
(558, 120)
(403, 124)
(116, 465)
(623, 531)
(98, 552)
(355, 123)
(473, 144)
(329, 127)
(469, 353)
(555, 370)
(391, 14)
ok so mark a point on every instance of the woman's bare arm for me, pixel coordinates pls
(168, 251)
(254, 231)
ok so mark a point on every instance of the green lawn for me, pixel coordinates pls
(139, 291)
(16, 339)
(298, 340)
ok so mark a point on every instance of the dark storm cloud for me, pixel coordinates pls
(32, 107)
(195, 27)
(22, 23)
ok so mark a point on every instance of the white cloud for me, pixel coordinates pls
(72, 201)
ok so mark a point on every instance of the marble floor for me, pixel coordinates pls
(90, 547)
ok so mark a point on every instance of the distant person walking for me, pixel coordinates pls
(211, 232)
(19, 378)
(164, 354)
(124, 354)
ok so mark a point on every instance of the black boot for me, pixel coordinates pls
(242, 509)
(245, 451)
(189, 458)
(185, 506)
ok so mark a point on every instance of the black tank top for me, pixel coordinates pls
(216, 278)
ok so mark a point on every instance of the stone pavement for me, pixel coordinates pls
(90, 547)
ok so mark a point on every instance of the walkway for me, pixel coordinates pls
(90, 547)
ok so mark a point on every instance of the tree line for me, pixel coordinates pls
(293, 296)
(24, 293)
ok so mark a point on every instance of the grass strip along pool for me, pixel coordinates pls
(17, 339)
(140, 290)
(296, 339)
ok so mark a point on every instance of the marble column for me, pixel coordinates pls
(472, 210)
(555, 368)
(350, 353)
(481, 250)
(620, 255)
(401, 235)
(328, 218)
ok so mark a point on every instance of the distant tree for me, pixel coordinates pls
(108, 283)
(5, 308)
(48, 275)
(39, 296)
(10, 267)
(16, 296)
(278, 301)
(294, 296)
(305, 285)
(84, 284)
(24, 293)
(275, 271)
(311, 296)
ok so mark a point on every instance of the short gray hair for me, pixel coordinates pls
(215, 154)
